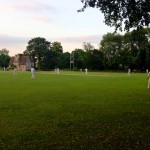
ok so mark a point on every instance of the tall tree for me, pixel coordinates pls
(56, 46)
(148, 48)
(129, 57)
(119, 13)
(4, 51)
(141, 41)
(137, 44)
(57, 51)
(64, 62)
(87, 46)
(37, 48)
(111, 46)
(4, 60)
(79, 58)
(96, 60)
(4, 57)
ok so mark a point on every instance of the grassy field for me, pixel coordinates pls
(73, 111)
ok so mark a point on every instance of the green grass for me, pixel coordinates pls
(73, 111)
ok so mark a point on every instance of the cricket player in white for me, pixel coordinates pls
(148, 77)
(57, 70)
(86, 70)
(129, 72)
(15, 72)
(33, 73)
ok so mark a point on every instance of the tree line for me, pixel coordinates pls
(115, 52)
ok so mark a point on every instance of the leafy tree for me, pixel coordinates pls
(64, 62)
(111, 46)
(87, 46)
(148, 56)
(4, 60)
(4, 51)
(136, 44)
(96, 60)
(147, 47)
(79, 58)
(119, 13)
(45, 62)
(56, 46)
(129, 57)
(37, 48)
(91, 59)
(56, 51)
(141, 44)
(51, 60)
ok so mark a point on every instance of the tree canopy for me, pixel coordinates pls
(130, 50)
(4, 58)
(116, 52)
(111, 46)
(37, 48)
(4, 51)
(56, 46)
(121, 14)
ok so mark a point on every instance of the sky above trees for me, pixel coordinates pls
(55, 20)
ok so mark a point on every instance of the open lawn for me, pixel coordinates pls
(74, 111)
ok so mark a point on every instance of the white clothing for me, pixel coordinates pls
(86, 70)
(57, 70)
(33, 73)
(15, 71)
(129, 72)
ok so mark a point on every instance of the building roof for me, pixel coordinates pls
(22, 60)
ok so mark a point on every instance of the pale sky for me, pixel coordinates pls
(54, 20)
